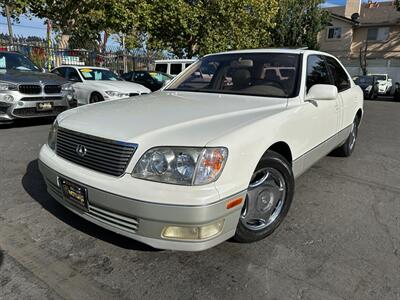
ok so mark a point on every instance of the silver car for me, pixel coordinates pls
(27, 92)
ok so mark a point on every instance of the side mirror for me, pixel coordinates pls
(322, 92)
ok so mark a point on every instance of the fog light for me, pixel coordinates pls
(8, 98)
(69, 97)
(193, 232)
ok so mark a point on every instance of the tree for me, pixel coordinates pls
(16, 7)
(84, 20)
(197, 27)
(298, 23)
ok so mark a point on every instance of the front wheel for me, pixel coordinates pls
(268, 198)
(95, 97)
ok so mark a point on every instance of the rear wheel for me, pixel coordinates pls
(348, 147)
(268, 198)
(96, 97)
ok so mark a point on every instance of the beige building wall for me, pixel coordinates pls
(338, 47)
(376, 49)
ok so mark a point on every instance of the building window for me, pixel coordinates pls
(334, 33)
(378, 34)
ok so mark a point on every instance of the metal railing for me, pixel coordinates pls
(51, 54)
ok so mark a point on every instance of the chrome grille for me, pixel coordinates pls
(102, 155)
(52, 89)
(31, 89)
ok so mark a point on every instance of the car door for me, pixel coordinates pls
(317, 120)
(78, 85)
(347, 96)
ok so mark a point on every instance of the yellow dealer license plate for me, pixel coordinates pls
(45, 106)
(74, 194)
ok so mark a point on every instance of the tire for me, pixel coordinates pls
(348, 147)
(268, 198)
(96, 97)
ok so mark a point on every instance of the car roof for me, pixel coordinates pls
(164, 61)
(82, 67)
(273, 50)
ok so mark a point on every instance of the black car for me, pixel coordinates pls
(369, 85)
(153, 80)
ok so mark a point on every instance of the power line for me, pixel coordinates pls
(24, 26)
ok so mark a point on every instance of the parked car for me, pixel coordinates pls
(396, 94)
(173, 66)
(384, 83)
(202, 161)
(27, 92)
(94, 84)
(369, 85)
(153, 80)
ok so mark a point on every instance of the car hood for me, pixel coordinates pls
(119, 86)
(18, 77)
(170, 118)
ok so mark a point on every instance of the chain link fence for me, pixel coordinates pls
(50, 54)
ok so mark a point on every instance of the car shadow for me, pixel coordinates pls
(35, 186)
(28, 122)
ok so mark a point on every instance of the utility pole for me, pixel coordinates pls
(124, 54)
(10, 31)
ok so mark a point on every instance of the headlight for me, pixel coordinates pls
(116, 94)
(67, 87)
(6, 86)
(184, 166)
(51, 141)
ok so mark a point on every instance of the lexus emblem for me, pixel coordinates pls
(81, 150)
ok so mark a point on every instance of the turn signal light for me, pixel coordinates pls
(234, 202)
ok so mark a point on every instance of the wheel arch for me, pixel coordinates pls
(283, 149)
(359, 114)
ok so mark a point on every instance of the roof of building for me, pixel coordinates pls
(372, 13)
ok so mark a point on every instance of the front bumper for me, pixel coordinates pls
(145, 221)
(25, 106)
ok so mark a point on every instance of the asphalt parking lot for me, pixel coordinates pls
(341, 239)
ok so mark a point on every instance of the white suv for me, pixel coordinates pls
(209, 157)
(384, 83)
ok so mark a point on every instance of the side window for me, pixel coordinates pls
(317, 72)
(161, 68)
(73, 75)
(339, 75)
(127, 76)
(176, 69)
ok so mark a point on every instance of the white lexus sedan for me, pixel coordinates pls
(214, 155)
(94, 84)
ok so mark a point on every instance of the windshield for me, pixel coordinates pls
(380, 77)
(15, 61)
(98, 74)
(258, 74)
(160, 77)
(364, 80)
